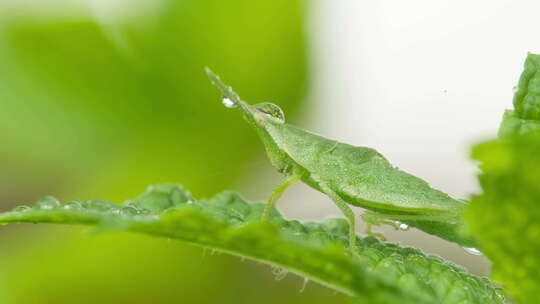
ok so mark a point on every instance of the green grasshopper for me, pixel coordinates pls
(347, 174)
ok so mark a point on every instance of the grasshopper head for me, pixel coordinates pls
(257, 115)
(261, 117)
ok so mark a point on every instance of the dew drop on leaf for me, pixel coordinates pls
(402, 226)
(99, 205)
(129, 211)
(473, 251)
(279, 273)
(228, 103)
(179, 195)
(133, 205)
(271, 110)
(22, 208)
(47, 203)
(73, 205)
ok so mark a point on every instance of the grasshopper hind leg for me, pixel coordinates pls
(347, 211)
(372, 219)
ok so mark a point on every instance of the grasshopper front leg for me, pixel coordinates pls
(276, 194)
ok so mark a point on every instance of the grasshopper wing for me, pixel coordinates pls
(360, 175)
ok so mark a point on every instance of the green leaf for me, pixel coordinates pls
(384, 273)
(506, 217)
(526, 114)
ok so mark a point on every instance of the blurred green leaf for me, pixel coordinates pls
(384, 272)
(113, 107)
(526, 114)
(506, 216)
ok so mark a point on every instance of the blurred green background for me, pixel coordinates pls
(99, 99)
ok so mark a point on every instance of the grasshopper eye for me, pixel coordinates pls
(271, 110)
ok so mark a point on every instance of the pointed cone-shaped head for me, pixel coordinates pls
(258, 114)
(262, 117)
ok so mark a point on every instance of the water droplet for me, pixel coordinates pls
(179, 195)
(99, 205)
(402, 226)
(279, 273)
(271, 110)
(228, 103)
(73, 205)
(22, 208)
(138, 208)
(130, 204)
(129, 211)
(473, 251)
(47, 203)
